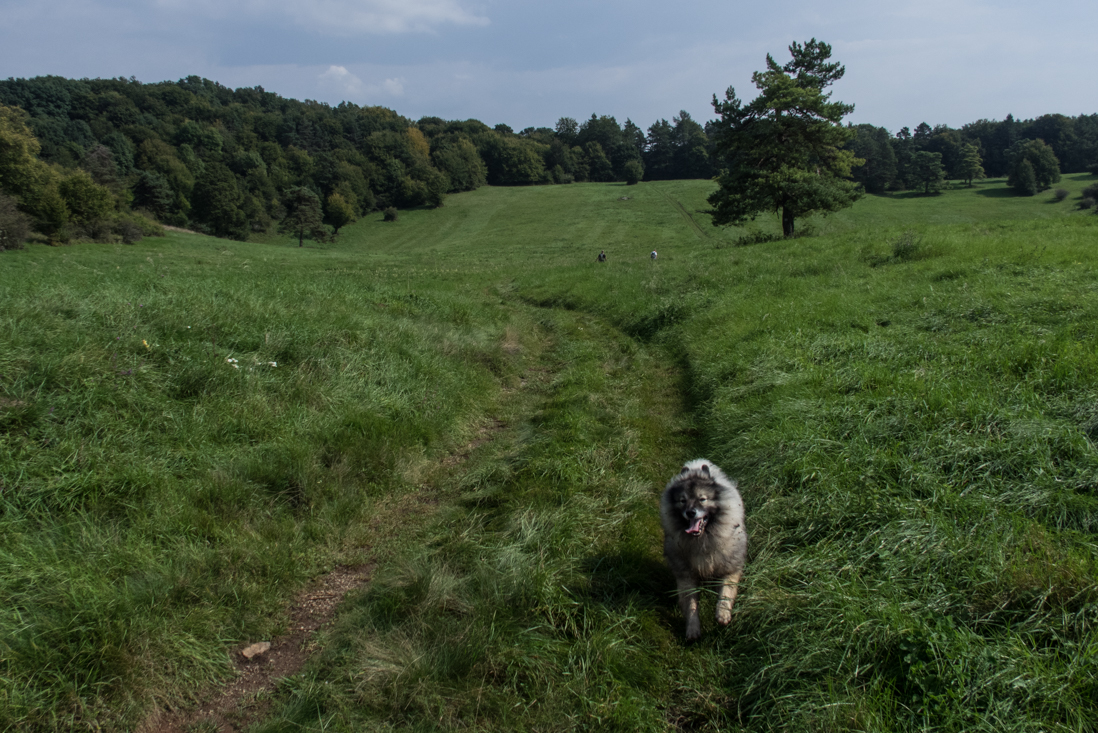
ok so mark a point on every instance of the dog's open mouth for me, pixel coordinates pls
(697, 526)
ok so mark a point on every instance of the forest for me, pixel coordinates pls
(113, 159)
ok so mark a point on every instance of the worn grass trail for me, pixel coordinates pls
(540, 601)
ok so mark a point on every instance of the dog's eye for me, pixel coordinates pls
(703, 499)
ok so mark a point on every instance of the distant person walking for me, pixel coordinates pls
(653, 255)
(602, 256)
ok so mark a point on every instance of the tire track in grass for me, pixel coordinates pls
(702, 234)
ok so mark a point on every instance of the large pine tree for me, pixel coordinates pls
(784, 150)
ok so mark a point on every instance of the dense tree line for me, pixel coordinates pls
(230, 162)
(923, 159)
(107, 158)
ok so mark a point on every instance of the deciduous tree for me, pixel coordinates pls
(14, 224)
(457, 157)
(598, 165)
(970, 166)
(86, 201)
(513, 161)
(926, 170)
(874, 146)
(217, 203)
(151, 191)
(1041, 158)
(1025, 179)
(303, 216)
(784, 151)
(32, 183)
(567, 129)
(339, 213)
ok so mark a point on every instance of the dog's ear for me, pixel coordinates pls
(705, 468)
(685, 469)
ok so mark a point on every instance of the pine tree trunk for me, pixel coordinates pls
(787, 222)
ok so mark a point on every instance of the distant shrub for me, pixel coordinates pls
(128, 228)
(907, 247)
(1086, 203)
(634, 172)
(807, 229)
(1093, 168)
(390, 214)
(129, 232)
(100, 229)
(1091, 192)
(1060, 194)
(758, 238)
(146, 225)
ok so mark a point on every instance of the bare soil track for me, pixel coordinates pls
(240, 703)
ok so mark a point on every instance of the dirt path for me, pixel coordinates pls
(260, 665)
(245, 701)
(239, 703)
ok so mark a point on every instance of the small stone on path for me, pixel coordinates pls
(256, 649)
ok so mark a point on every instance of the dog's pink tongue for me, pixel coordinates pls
(696, 526)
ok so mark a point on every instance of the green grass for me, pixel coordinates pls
(159, 500)
(907, 399)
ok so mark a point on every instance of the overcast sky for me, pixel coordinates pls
(529, 62)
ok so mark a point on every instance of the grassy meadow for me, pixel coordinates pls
(191, 429)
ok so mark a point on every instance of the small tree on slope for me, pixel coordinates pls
(303, 216)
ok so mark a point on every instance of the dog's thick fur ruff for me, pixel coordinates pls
(704, 538)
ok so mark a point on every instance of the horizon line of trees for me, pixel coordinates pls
(107, 158)
(924, 158)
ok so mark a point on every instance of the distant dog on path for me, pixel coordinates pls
(653, 255)
(704, 538)
(602, 256)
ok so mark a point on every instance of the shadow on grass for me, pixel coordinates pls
(915, 195)
(999, 193)
(632, 579)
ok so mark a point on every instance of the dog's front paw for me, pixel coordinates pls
(724, 613)
(693, 629)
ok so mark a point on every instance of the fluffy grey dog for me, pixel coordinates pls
(703, 537)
